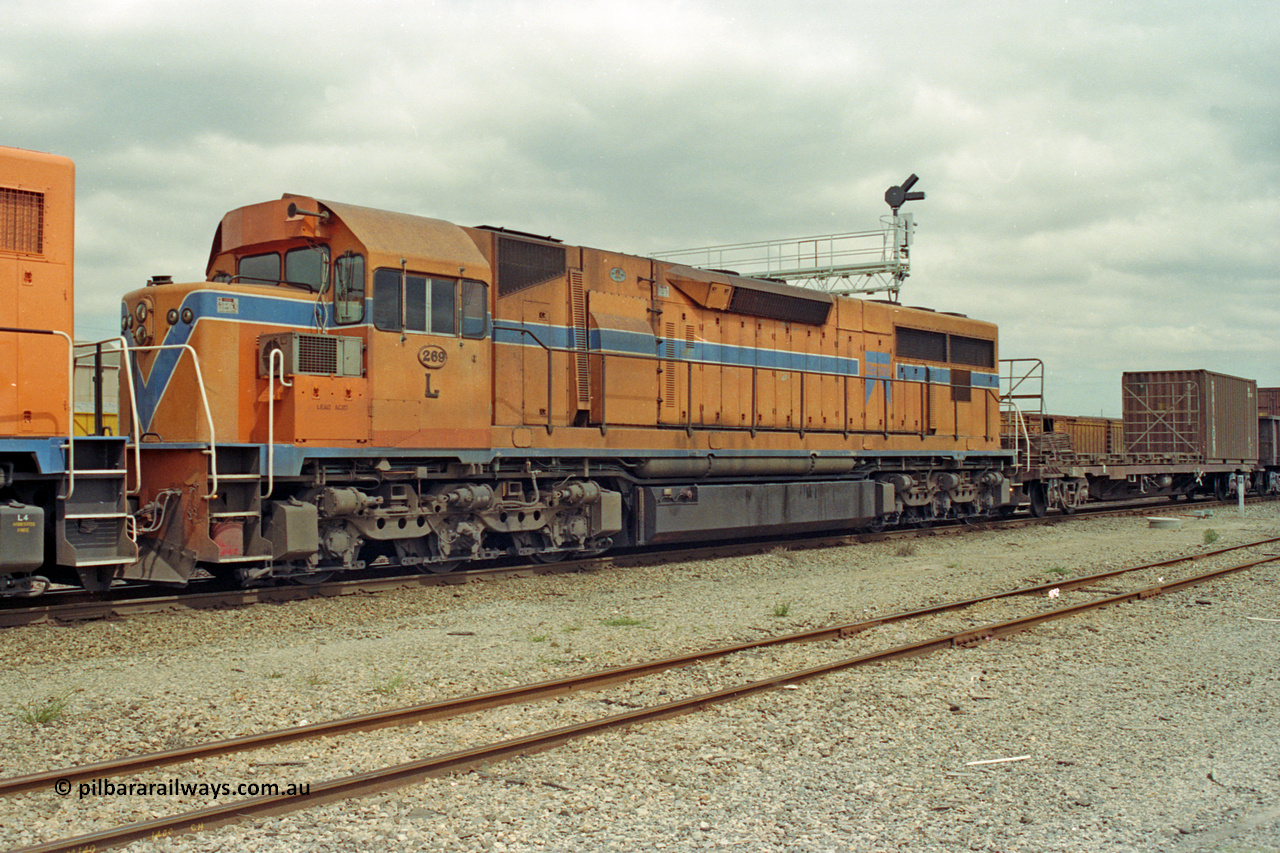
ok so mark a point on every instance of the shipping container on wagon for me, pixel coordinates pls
(1269, 440)
(1190, 414)
(1269, 401)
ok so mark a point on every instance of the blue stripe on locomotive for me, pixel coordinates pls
(302, 314)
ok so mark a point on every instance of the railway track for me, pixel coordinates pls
(1032, 600)
(71, 606)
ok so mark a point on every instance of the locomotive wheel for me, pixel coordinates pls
(543, 541)
(310, 578)
(1221, 487)
(440, 568)
(1038, 496)
(527, 540)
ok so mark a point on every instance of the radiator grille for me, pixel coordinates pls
(522, 264)
(779, 306)
(919, 343)
(317, 354)
(973, 351)
(21, 221)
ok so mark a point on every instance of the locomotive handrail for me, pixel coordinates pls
(1020, 435)
(71, 394)
(277, 354)
(1031, 376)
(133, 407)
(204, 400)
(499, 325)
(98, 369)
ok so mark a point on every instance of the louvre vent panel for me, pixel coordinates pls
(922, 344)
(578, 300)
(669, 368)
(779, 306)
(21, 221)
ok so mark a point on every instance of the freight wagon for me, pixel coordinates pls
(1183, 432)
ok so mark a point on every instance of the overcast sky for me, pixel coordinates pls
(1103, 178)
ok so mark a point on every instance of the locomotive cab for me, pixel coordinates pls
(321, 291)
(274, 351)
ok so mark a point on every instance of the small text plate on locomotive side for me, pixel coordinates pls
(432, 356)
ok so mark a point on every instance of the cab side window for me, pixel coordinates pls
(411, 302)
(475, 309)
(348, 296)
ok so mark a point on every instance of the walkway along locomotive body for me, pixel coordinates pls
(354, 386)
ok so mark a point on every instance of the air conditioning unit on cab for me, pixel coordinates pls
(315, 355)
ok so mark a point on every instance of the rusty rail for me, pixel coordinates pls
(402, 774)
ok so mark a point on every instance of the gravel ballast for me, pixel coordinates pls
(1150, 726)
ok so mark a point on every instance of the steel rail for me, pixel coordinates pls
(93, 606)
(446, 708)
(389, 778)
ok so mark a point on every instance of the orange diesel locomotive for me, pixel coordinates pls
(62, 497)
(353, 386)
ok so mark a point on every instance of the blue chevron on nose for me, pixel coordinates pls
(222, 307)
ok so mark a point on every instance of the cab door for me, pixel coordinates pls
(429, 361)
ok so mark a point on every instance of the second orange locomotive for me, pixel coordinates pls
(353, 386)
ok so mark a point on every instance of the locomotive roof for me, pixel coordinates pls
(407, 236)
(428, 245)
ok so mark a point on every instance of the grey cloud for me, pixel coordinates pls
(1102, 178)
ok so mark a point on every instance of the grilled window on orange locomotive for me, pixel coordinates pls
(22, 216)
